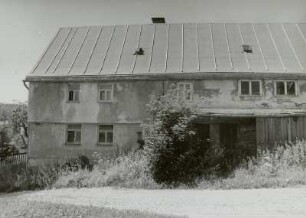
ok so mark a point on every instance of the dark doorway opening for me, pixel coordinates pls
(203, 130)
(228, 135)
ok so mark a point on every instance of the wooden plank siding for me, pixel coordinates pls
(272, 130)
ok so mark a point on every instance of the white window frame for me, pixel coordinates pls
(250, 87)
(285, 86)
(105, 131)
(74, 130)
(100, 89)
(185, 91)
(75, 89)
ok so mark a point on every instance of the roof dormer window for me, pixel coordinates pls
(158, 20)
(247, 48)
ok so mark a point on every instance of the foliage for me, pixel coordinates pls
(32, 177)
(176, 152)
(19, 118)
(285, 166)
(6, 111)
(125, 170)
(6, 149)
(81, 162)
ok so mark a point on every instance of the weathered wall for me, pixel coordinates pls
(50, 112)
(225, 94)
(48, 103)
(49, 141)
(272, 130)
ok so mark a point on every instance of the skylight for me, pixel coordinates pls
(247, 48)
(158, 20)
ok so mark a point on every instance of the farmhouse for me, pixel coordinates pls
(89, 90)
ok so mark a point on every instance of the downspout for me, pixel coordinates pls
(25, 84)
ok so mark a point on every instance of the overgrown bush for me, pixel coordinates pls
(18, 177)
(285, 166)
(125, 170)
(175, 151)
(81, 162)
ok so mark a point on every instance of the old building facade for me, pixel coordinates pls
(89, 90)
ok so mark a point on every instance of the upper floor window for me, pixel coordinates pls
(105, 134)
(106, 92)
(74, 132)
(73, 93)
(250, 87)
(285, 88)
(185, 91)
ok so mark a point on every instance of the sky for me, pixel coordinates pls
(27, 26)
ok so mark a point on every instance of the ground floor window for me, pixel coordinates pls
(105, 135)
(74, 132)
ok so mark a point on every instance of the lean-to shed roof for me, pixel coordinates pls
(174, 48)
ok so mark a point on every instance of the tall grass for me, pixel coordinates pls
(125, 170)
(283, 167)
(36, 176)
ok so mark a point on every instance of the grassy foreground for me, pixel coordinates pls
(14, 207)
(283, 167)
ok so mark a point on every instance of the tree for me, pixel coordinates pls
(20, 122)
(173, 145)
(6, 149)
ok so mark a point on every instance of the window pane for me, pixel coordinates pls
(109, 137)
(255, 88)
(290, 88)
(188, 95)
(102, 95)
(108, 95)
(187, 86)
(245, 87)
(76, 95)
(280, 88)
(71, 96)
(78, 136)
(70, 137)
(102, 137)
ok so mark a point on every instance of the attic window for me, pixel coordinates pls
(139, 51)
(73, 93)
(247, 48)
(158, 20)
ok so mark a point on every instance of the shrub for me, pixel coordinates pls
(285, 166)
(125, 170)
(18, 177)
(81, 162)
(173, 146)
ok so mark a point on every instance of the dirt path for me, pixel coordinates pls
(289, 202)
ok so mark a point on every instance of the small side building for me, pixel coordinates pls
(89, 90)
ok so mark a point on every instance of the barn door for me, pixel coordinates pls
(228, 135)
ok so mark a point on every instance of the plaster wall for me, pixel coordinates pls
(49, 111)
(48, 141)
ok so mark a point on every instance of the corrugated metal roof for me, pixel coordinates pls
(175, 48)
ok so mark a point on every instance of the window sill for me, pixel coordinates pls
(73, 144)
(105, 101)
(105, 144)
(250, 97)
(286, 96)
(72, 101)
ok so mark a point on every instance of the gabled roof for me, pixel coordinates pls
(174, 48)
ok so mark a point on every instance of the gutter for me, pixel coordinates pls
(25, 84)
